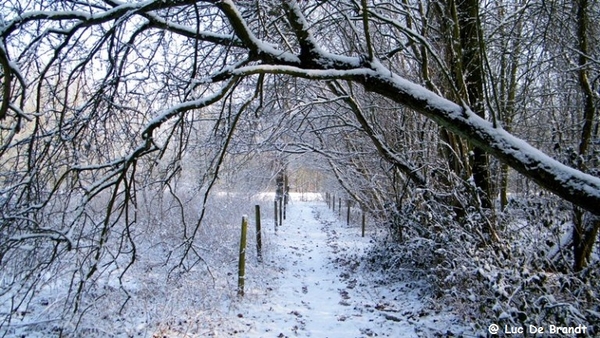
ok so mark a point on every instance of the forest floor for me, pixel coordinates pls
(315, 282)
(318, 278)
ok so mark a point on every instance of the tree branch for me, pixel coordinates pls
(568, 183)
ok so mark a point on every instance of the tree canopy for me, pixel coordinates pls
(103, 99)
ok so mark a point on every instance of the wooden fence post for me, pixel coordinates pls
(332, 202)
(286, 192)
(348, 212)
(280, 211)
(275, 218)
(242, 261)
(363, 223)
(258, 234)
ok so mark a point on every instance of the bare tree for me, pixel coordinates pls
(100, 98)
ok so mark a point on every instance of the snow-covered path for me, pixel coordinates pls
(311, 288)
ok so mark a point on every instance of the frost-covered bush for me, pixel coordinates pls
(522, 279)
(150, 287)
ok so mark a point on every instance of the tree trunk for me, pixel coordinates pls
(585, 232)
(585, 225)
(471, 40)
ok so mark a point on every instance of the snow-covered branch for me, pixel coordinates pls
(573, 185)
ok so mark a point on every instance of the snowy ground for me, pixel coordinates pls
(312, 284)
(315, 281)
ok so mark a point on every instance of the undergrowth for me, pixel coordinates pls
(522, 279)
